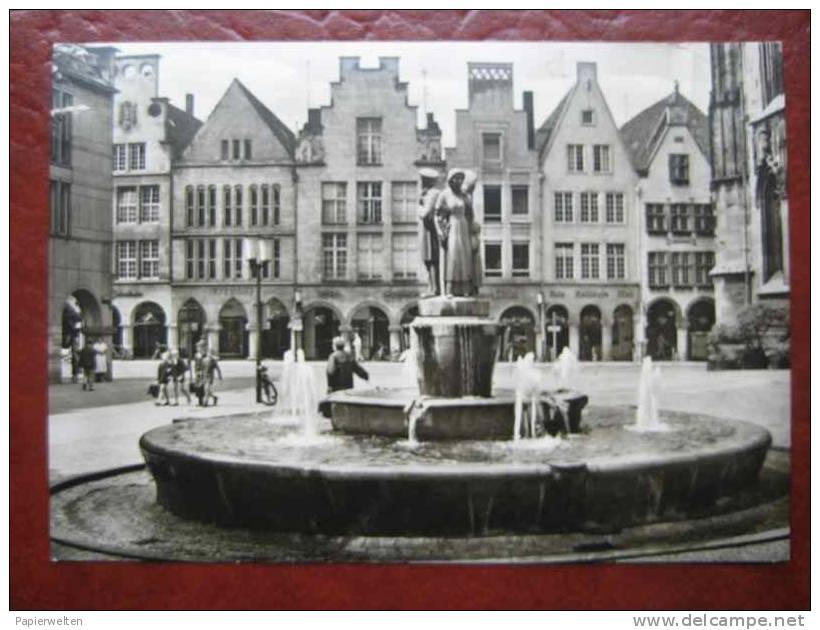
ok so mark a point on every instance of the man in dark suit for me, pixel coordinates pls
(87, 362)
(341, 366)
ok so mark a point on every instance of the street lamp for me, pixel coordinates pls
(539, 298)
(258, 258)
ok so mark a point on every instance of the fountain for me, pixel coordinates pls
(450, 455)
(647, 417)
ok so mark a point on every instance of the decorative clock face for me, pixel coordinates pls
(128, 115)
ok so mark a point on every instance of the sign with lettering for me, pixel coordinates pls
(401, 294)
(591, 293)
(557, 294)
(328, 293)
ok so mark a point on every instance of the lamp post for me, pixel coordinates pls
(259, 257)
(539, 298)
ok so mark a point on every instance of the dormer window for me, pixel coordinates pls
(588, 117)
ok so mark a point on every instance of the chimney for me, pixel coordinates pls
(314, 119)
(530, 120)
(189, 104)
(587, 73)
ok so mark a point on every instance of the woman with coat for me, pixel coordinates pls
(455, 234)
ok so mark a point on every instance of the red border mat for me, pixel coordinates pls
(37, 583)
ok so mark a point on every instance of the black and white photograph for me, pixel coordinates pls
(412, 302)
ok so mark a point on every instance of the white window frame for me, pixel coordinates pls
(127, 260)
(404, 201)
(405, 256)
(369, 141)
(590, 261)
(149, 259)
(601, 158)
(492, 272)
(334, 203)
(564, 261)
(370, 256)
(370, 204)
(575, 158)
(334, 251)
(615, 261)
(127, 213)
(614, 207)
(520, 272)
(149, 208)
(589, 212)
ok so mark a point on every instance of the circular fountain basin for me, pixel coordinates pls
(259, 473)
(387, 412)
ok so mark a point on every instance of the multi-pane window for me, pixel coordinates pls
(369, 140)
(127, 259)
(237, 149)
(136, 156)
(680, 218)
(587, 117)
(334, 202)
(575, 158)
(60, 198)
(212, 206)
(370, 202)
(238, 254)
(657, 270)
(189, 259)
(403, 202)
(614, 208)
(601, 158)
(334, 256)
(589, 207)
(564, 261)
(227, 206)
(149, 204)
(680, 269)
(200, 258)
(590, 263)
(189, 206)
(264, 194)
(226, 150)
(237, 210)
(61, 132)
(704, 219)
(704, 261)
(492, 260)
(520, 200)
(212, 258)
(276, 258)
(492, 204)
(149, 259)
(370, 261)
(655, 218)
(227, 265)
(127, 204)
(200, 205)
(120, 157)
(563, 207)
(679, 168)
(277, 203)
(615, 261)
(254, 201)
(491, 144)
(248, 150)
(405, 256)
(520, 260)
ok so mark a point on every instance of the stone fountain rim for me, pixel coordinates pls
(755, 437)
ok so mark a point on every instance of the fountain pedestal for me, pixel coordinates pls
(455, 343)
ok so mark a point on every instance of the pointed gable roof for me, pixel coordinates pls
(642, 133)
(544, 132)
(180, 129)
(279, 129)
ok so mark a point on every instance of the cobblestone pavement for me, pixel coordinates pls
(94, 430)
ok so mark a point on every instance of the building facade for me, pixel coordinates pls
(591, 226)
(149, 135)
(498, 142)
(79, 244)
(749, 175)
(359, 269)
(669, 146)
(234, 186)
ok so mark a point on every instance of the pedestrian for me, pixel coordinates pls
(341, 366)
(165, 372)
(87, 356)
(198, 372)
(211, 368)
(100, 360)
(357, 346)
(178, 370)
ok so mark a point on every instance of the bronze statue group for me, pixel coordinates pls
(450, 237)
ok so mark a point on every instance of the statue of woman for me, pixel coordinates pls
(455, 236)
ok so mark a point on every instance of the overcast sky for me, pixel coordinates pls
(289, 76)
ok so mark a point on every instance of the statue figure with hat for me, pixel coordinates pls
(454, 220)
(429, 238)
